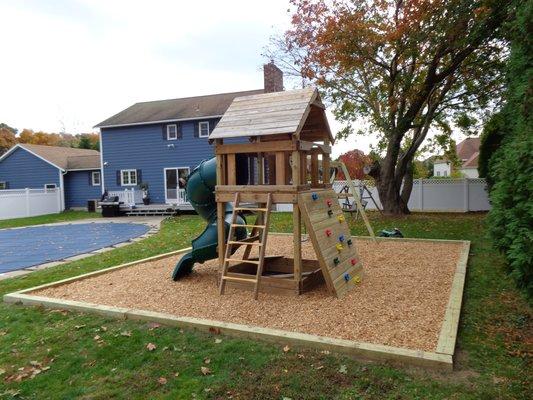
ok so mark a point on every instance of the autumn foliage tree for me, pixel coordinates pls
(355, 160)
(404, 67)
(7, 138)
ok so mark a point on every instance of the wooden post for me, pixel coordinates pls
(221, 208)
(280, 168)
(326, 164)
(232, 170)
(314, 169)
(260, 169)
(297, 221)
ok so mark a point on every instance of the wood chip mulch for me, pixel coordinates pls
(400, 302)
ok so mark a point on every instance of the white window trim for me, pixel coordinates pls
(3, 185)
(129, 171)
(99, 178)
(168, 132)
(177, 177)
(200, 128)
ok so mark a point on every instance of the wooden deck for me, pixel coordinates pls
(155, 209)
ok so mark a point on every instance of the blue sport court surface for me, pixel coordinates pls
(26, 247)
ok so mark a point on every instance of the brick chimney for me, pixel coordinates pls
(273, 78)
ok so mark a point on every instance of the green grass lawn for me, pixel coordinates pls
(65, 216)
(90, 357)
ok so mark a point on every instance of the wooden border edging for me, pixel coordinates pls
(441, 359)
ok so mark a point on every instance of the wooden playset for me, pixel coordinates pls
(287, 160)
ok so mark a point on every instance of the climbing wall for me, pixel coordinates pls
(332, 241)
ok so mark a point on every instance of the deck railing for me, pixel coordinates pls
(128, 196)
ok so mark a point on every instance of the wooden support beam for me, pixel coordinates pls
(297, 220)
(326, 164)
(221, 208)
(264, 147)
(306, 146)
(280, 168)
(232, 169)
(314, 169)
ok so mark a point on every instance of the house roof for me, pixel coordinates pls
(467, 148)
(64, 158)
(185, 108)
(472, 161)
(296, 112)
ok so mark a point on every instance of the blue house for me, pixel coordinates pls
(75, 172)
(158, 142)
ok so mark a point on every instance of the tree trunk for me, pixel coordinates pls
(393, 198)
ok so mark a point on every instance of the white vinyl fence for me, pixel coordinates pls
(431, 195)
(17, 203)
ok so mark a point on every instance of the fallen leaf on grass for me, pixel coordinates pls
(300, 356)
(177, 374)
(320, 367)
(151, 347)
(103, 328)
(153, 325)
(79, 326)
(218, 341)
(325, 352)
(205, 371)
(125, 333)
(2, 371)
(207, 360)
(286, 349)
(343, 369)
(162, 381)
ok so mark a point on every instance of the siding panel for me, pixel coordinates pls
(78, 189)
(23, 170)
(143, 147)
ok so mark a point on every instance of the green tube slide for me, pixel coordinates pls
(200, 193)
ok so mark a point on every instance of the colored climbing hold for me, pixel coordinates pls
(347, 277)
(357, 279)
(353, 261)
(328, 202)
(330, 212)
(336, 260)
(338, 246)
(349, 241)
(328, 232)
(314, 196)
(341, 238)
(341, 218)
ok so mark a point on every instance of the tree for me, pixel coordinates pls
(7, 138)
(43, 138)
(508, 156)
(405, 67)
(89, 141)
(355, 160)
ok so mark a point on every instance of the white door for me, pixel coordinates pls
(175, 179)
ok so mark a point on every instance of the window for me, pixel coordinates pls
(172, 132)
(445, 173)
(203, 129)
(128, 177)
(50, 186)
(95, 178)
(3, 185)
(438, 173)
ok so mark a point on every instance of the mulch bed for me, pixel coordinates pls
(401, 301)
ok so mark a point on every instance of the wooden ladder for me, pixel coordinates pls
(258, 237)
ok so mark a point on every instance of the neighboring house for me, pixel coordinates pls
(468, 154)
(159, 142)
(75, 172)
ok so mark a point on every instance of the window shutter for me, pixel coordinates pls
(212, 124)
(196, 128)
(139, 177)
(118, 177)
(90, 178)
(7, 185)
(164, 129)
(179, 129)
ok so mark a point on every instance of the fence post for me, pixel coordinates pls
(421, 194)
(28, 202)
(466, 194)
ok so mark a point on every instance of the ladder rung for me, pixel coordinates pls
(245, 243)
(249, 226)
(242, 261)
(250, 209)
(234, 278)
